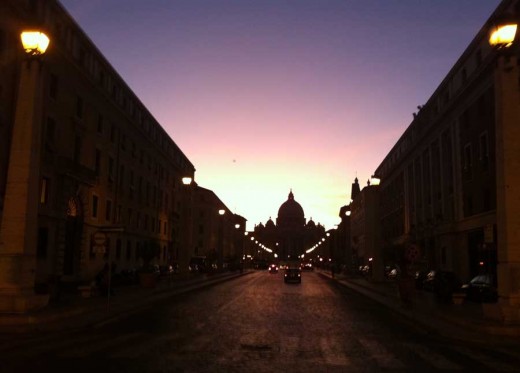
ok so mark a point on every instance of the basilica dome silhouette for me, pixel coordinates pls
(291, 209)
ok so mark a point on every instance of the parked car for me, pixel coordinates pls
(481, 288)
(420, 277)
(442, 283)
(392, 272)
(198, 264)
(166, 271)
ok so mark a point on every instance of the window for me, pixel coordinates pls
(483, 149)
(130, 213)
(53, 86)
(44, 191)
(95, 206)
(50, 130)
(97, 162)
(43, 242)
(118, 249)
(467, 157)
(121, 177)
(478, 57)
(77, 149)
(110, 169)
(100, 124)
(128, 250)
(79, 107)
(108, 211)
(113, 133)
(3, 42)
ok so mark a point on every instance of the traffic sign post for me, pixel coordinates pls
(99, 241)
(412, 253)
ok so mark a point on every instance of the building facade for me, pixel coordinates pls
(364, 229)
(218, 234)
(449, 185)
(99, 160)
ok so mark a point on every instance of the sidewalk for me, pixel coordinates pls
(74, 312)
(464, 322)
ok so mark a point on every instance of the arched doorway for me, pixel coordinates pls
(73, 232)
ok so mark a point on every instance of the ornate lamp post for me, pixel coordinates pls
(507, 119)
(186, 238)
(220, 263)
(19, 228)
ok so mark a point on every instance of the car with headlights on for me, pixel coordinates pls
(292, 275)
(273, 268)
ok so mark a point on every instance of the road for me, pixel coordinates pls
(254, 323)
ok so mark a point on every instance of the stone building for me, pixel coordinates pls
(364, 229)
(218, 233)
(79, 154)
(450, 184)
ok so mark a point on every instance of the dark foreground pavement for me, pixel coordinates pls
(73, 311)
(466, 321)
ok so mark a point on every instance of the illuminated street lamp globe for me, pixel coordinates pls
(221, 212)
(187, 180)
(503, 34)
(34, 43)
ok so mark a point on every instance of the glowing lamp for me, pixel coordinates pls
(237, 226)
(187, 180)
(503, 35)
(221, 212)
(347, 213)
(35, 43)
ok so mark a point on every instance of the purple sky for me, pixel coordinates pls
(268, 95)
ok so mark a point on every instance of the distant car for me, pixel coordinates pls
(308, 267)
(273, 268)
(166, 270)
(481, 288)
(292, 275)
(198, 264)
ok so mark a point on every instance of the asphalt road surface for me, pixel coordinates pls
(254, 323)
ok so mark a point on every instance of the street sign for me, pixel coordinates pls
(412, 253)
(99, 238)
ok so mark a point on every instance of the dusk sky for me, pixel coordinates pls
(267, 95)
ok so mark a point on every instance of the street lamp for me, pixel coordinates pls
(185, 248)
(19, 228)
(221, 213)
(507, 117)
(34, 43)
(503, 34)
